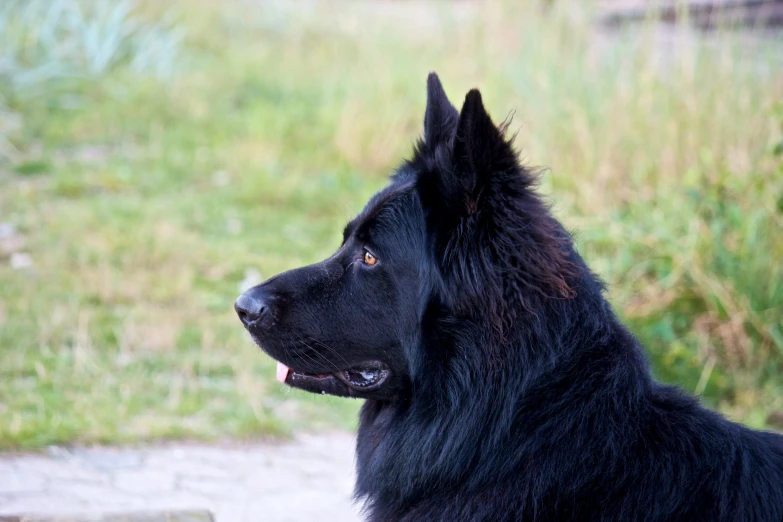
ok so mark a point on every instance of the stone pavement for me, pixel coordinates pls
(308, 478)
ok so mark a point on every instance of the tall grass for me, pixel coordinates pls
(52, 49)
(159, 198)
(42, 41)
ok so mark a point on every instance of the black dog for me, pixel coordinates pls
(500, 385)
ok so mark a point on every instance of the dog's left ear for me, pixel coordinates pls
(480, 151)
(440, 117)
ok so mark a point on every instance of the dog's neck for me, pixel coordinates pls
(533, 388)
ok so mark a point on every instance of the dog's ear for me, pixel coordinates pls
(501, 252)
(459, 178)
(480, 150)
(440, 117)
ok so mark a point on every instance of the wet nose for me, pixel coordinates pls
(251, 307)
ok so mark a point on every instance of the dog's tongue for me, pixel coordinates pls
(282, 372)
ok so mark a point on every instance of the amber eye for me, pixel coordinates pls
(369, 259)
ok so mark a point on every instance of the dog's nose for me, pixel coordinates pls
(251, 307)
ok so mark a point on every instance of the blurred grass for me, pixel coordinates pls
(144, 204)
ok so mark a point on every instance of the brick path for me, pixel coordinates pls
(309, 478)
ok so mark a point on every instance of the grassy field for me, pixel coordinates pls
(162, 158)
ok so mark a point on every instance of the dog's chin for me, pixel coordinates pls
(368, 380)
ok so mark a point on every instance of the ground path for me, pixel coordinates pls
(308, 478)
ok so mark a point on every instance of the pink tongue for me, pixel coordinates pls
(282, 372)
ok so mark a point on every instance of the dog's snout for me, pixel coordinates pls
(252, 307)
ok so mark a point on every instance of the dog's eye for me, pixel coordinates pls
(369, 259)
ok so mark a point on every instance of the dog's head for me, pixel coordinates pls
(459, 237)
(340, 326)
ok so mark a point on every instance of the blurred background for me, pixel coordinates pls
(158, 157)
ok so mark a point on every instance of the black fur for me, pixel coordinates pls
(514, 393)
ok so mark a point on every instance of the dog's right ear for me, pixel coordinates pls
(440, 117)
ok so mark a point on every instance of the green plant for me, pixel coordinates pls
(50, 44)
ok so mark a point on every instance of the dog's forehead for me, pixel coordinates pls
(376, 206)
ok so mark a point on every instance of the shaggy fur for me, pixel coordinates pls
(513, 391)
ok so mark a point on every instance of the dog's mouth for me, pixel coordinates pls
(355, 381)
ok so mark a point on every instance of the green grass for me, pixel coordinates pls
(144, 205)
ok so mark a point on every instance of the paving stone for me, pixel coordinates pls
(99, 496)
(311, 477)
(188, 465)
(184, 516)
(145, 481)
(110, 459)
(69, 469)
(7, 466)
(179, 500)
(42, 502)
(211, 488)
(17, 479)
